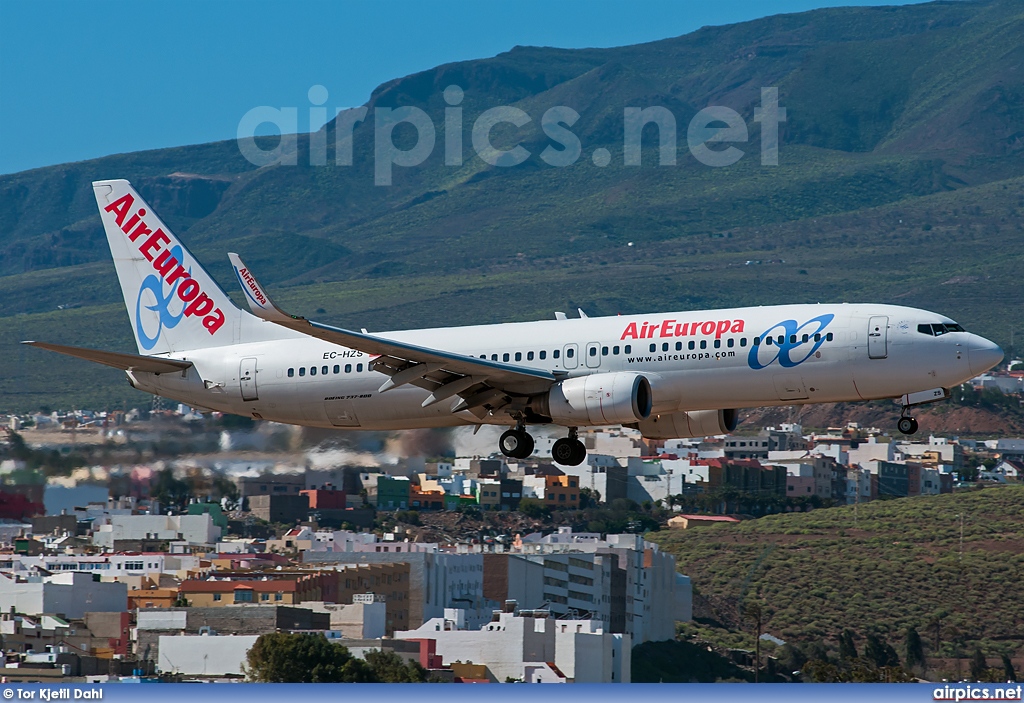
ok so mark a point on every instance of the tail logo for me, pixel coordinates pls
(791, 340)
(168, 263)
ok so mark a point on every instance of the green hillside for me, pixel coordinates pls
(901, 179)
(878, 569)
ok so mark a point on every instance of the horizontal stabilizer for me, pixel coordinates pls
(126, 362)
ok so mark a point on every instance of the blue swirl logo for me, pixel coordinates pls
(791, 343)
(161, 305)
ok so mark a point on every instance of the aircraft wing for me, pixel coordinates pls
(481, 384)
(126, 362)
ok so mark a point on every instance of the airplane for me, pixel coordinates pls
(669, 375)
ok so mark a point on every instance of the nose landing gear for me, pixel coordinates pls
(906, 424)
(569, 451)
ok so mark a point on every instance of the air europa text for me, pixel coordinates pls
(671, 328)
(150, 243)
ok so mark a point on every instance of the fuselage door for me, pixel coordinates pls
(878, 337)
(593, 355)
(570, 356)
(247, 379)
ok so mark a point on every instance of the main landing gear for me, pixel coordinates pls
(906, 424)
(518, 444)
(569, 451)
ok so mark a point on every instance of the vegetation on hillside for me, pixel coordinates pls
(879, 569)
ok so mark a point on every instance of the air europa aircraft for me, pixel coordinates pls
(670, 375)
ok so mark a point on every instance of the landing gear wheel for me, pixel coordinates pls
(569, 452)
(907, 425)
(517, 444)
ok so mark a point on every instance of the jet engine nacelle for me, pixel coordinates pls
(598, 399)
(696, 423)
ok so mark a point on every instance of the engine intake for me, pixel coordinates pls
(598, 399)
(696, 423)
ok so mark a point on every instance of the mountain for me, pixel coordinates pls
(900, 179)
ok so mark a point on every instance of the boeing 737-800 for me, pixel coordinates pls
(670, 375)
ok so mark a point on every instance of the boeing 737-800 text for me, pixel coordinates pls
(670, 375)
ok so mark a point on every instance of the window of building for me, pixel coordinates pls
(278, 596)
(243, 595)
(216, 596)
(264, 596)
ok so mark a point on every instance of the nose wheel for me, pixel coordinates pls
(516, 444)
(907, 425)
(569, 451)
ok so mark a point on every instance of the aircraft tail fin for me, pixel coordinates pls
(173, 303)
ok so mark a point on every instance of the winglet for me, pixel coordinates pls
(259, 302)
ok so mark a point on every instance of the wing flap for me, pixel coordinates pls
(125, 362)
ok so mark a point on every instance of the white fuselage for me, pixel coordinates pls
(700, 360)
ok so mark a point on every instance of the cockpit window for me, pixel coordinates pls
(938, 329)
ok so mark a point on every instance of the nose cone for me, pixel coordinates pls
(983, 355)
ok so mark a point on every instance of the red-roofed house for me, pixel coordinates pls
(687, 521)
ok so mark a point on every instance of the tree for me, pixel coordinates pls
(915, 649)
(533, 508)
(1008, 673)
(979, 667)
(589, 497)
(880, 653)
(388, 667)
(169, 490)
(283, 657)
(847, 648)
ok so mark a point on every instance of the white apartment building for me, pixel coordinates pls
(72, 595)
(194, 529)
(520, 645)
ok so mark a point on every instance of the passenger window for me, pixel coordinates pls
(291, 372)
(829, 337)
(692, 345)
(348, 368)
(757, 341)
(604, 351)
(767, 341)
(543, 354)
(731, 343)
(519, 356)
(555, 354)
(593, 351)
(302, 371)
(570, 353)
(337, 369)
(494, 357)
(792, 339)
(615, 351)
(359, 368)
(743, 341)
(504, 357)
(804, 339)
(323, 370)
(718, 344)
(654, 347)
(781, 340)
(679, 346)
(703, 344)
(629, 349)
(312, 371)
(817, 338)
(529, 356)
(664, 347)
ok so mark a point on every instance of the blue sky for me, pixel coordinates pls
(80, 80)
